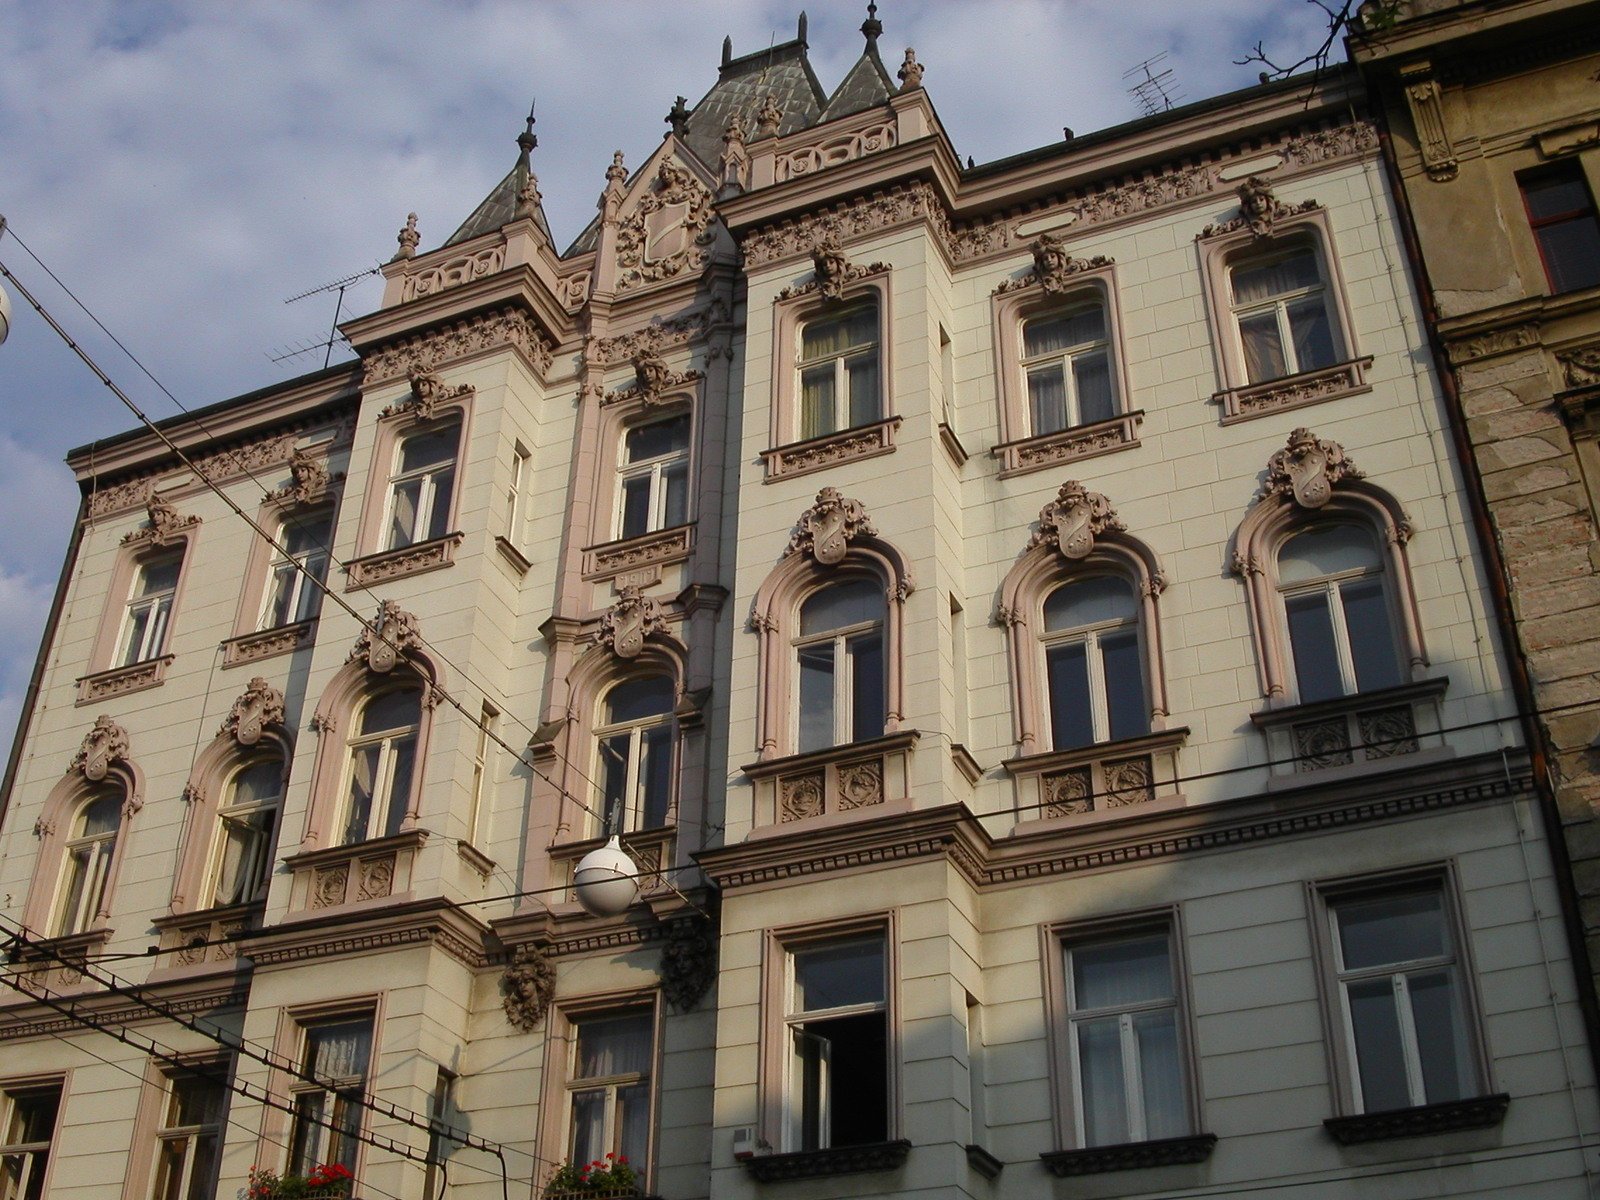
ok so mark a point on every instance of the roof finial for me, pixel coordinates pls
(678, 118)
(871, 28)
(527, 139)
(910, 72)
(408, 239)
(800, 30)
(727, 50)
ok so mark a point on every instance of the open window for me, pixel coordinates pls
(246, 834)
(188, 1136)
(653, 477)
(148, 611)
(636, 741)
(298, 569)
(422, 484)
(381, 765)
(83, 893)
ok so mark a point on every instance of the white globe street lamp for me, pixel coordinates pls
(606, 880)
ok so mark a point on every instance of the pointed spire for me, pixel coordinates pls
(527, 139)
(872, 28)
(727, 50)
(800, 29)
(528, 197)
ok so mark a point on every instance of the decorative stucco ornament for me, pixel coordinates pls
(1054, 268)
(1308, 469)
(734, 167)
(103, 745)
(688, 962)
(1073, 520)
(668, 231)
(628, 622)
(165, 523)
(527, 987)
(826, 529)
(409, 239)
(309, 479)
(1259, 210)
(768, 117)
(1581, 367)
(390, 634)
(429, 395)
(910, 72)
(259, 705)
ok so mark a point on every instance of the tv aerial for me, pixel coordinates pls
(326, 345)
(1156, 89)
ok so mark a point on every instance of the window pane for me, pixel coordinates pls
(399, 797)
(1380, 1057)
(1316, 660)
(1366, 620)
(655, 775)
(1260, 280)
(133, 647)
(1047, 399)
(1313, 337)
(837, 975)
(868, 711)
(1555, 196)
(1091, 375)
(159, 575)
(1126, 709)
(403, 518)
(657, 439)
(676, 480)
(855, 602)
(633, 1124)
(257, 783)
(862, 371)
(1161, 1071)
(243, 856)
(431, 449)
(638, 699)
(1263, 348)
(816, 697)
(588, 1126)
(1391, 929)
(613, 780)
(1104, 1092)
(1571, 252)
(439, 512)
(1071, 719)
(1327, 550)
(816, 401)
(101, 817)
(304, 535)
(613, 1046)
(635, 506)
(392, 710)
(1091, 601)
(1441, 1037)
(280, 595)
(33, 1116)
(1127, 971)
(339, 1050)
(363, 773)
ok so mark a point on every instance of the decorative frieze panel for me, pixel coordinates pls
(651, 549)
(1099, 780)
(1360, 731)
(669, 231)
(858, 780)
(808, 160)
(205, 939)
(363, 873)
(1297, 391)
(397, 564)
(268, 643)
(453, 272)
(1069, 445)
(819, 453)
(658, 337)
(123, 681)
(459, 339)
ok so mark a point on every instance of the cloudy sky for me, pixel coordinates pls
(184, 167)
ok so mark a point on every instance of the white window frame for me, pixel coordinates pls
(324, 1144)
(427, 491)
(1330, 588)
(383, 777)
(35, 1155)
(99, 852)
(259, 871)
(840, 359)
(483, 765)
(632, 814)
(305, 596)
(189, 1135)
(844, 709)
(1280, 302)
(611, 1084)
(1064, 359)
(1089, 636)
(514, 497)
(152, 639)
(655, 469)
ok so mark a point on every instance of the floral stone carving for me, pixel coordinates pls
(527, 987)
(668, 232)
(309, 476)
(1581, 367)
(1258, 210)
(826, 529)
(628, 622)
(103, 745)
(688, 962)
(385, 638)
(1054, 269)
(1073, 520)
(428, 395)
(259, 705)
(166, 524)
(1308, 468)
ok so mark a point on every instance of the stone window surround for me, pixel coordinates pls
(53, 829)
(249, 642)
(1023, 593)
(1238, 397)
(1320, 896)
(617, 418)
(103, 680)
(1270, 523)
(789, 315)
(778, 944)
(394, 424)
(776, 618)
(1054, 938)
(1020, 449)
(154, 1091)
(560, 1033)
(14, 1085)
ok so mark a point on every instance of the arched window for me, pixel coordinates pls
(1337, 612)
(247, 825)
(1094, 667)
(838, 365)
(381, 767)
(636, 748)
(421, 485)
(1066, 356)
(86, 863)
(839, 655)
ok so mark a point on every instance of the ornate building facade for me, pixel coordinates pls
(1024, 621)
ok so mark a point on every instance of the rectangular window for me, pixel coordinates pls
(836, 1056)
(422, 485)
(298, 570)
(441, 1117)
(515, 487)
(1401, 998)
(1126, 1041)
(186, 1143)
(1280, 304)
(608, 1088)
(839, 380)
(1561, 214)
(654, 481)
(327, 1119)
(1066, 357)
(144, 626)
(27, 1126)
(482, 771)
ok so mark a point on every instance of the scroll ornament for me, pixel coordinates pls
(628, 622)
(103, 745)
(259, 705)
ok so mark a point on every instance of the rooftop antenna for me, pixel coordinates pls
(1155, 90)
(339, 285)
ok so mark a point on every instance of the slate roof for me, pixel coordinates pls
(499, 206)
(863, 86)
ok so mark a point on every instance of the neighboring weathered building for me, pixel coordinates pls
(1024, 621)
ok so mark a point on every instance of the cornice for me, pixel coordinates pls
(436, 923)
(1516, 325)
(193, 996)
(955, 833)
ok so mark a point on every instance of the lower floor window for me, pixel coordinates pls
(29, 1123)
(1125, 1040)
(1402, 1000)
(837, 1086)
(608, 1088)
(327, 1121)
(186, 1144)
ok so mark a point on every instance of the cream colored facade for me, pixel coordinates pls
(897, 853)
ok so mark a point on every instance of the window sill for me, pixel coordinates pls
(833, 784)
(952, 445)
(1068, 445)
(657, 548)
(339, 876)
(831, 449)
(836, 1160)
(520, 563)
(122, 681)
(1131, 1156)
(1360, 733)
(1102, 781)
(414, 559)
(1480, 1112)
(267, 643)
(1294, 391)
(984, 1163)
